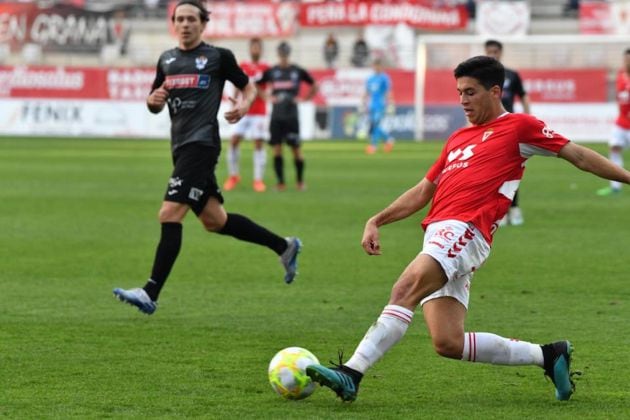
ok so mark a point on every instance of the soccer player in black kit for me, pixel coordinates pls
(190, 79)
(284, 80)
(512, 87)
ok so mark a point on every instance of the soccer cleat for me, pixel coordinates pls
(231, 182)
(370, 150)
(288, 259)
(388, 146)
(259, 186)
(301, 186)
(557, 365)
(281, 187)
(603, 192)
(138, 298)
(515, 215)
(342, 380)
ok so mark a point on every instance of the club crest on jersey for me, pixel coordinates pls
(486, 134)
(200, 62)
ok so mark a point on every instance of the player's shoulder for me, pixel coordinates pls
(172, 52)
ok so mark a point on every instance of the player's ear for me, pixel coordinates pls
(496, 90)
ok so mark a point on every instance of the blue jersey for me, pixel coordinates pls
(378, 86)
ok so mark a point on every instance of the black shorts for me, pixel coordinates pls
(285, 130)
(193, 181)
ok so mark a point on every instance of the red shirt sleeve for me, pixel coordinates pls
(535, 138)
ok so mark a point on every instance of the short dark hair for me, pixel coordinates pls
(255, 40)
(284, 48)
(487, 70)
(494, 43)
(204, 14)
(627, 51)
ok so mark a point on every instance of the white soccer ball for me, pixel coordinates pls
(287, 373)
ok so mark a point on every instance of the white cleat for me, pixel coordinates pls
(516, 216)
(138, 298)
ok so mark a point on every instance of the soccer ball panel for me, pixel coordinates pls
(287, 373)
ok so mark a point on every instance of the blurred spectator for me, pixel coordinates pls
(471, 6)
(360, 52)
(572, 7)
(331, 51)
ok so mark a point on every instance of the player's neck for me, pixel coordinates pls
(191, 46)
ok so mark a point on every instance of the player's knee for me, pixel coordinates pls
(212, 224)
(168, 215)
(448, 347)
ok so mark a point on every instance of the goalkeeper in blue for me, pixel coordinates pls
(379, 101)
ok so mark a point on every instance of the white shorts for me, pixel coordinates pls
(252, 127)
(460, 249)
(619, 137)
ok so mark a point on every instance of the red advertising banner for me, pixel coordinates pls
(337, 87)
(588, 85)
(418, 14)
(596, 18)
(75, 83)
(347, 86)
(236, 19)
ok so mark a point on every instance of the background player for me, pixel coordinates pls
(253, 126)
(512, 88)
(620, 136)
(284, 79)
(470, 187)
(379, 99)
(190, 78)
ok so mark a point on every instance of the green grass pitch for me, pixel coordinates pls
(78, 218)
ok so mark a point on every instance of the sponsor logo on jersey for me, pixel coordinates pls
(486, 134)
(188, 81)
(200, 62)
(547, 132)
(283, 84)
(460, 154)
(170, 60)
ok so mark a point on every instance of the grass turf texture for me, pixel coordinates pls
(78, 217)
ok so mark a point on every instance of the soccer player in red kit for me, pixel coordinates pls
(252, 126)
(470, 188)
(620, 136)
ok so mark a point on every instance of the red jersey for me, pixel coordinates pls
(480, 168)
(255, 71)
(623, 100)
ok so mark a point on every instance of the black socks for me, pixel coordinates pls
(165, 256)
(278, 166)
(240, 227)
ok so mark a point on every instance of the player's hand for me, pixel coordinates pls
(158, 97)
(239, 109)
(370, 241)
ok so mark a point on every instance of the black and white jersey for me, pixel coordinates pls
(195, 79)
(512, 87)
(285, 87)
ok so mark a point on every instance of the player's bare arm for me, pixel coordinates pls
(157, 99)
(404, 206)
(241, 103)
(590, 161)
(526, 104)
(311, 92)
